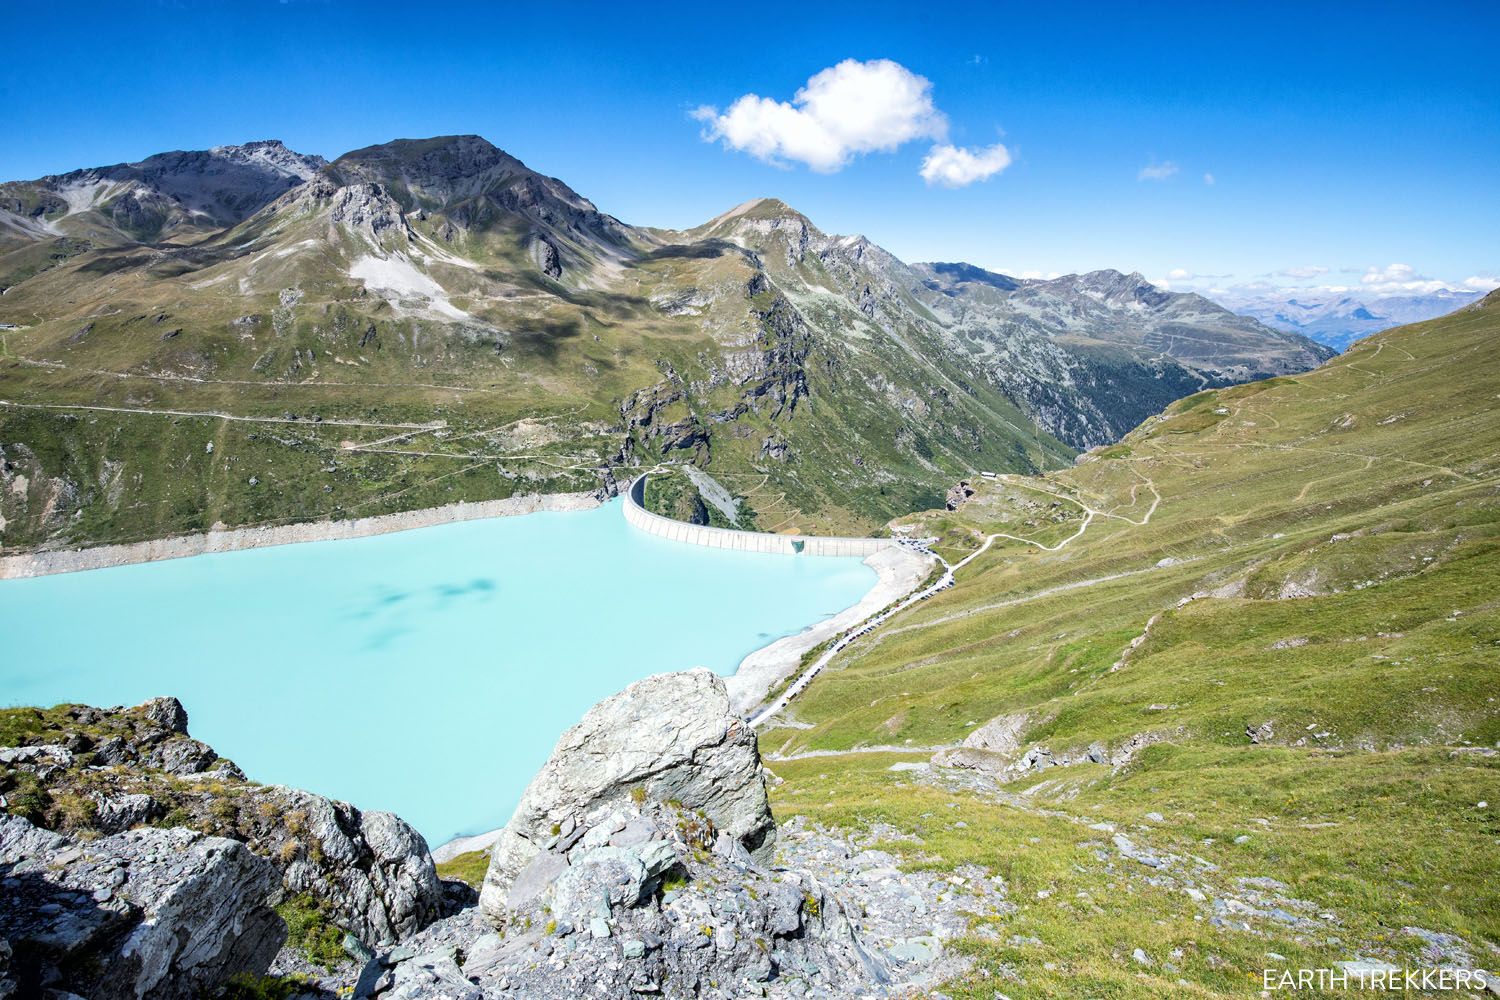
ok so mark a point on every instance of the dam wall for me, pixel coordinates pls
(745, 541)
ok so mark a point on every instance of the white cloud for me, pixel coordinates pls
(1390, 273)
(957, 166)
(1208, 180)
(843, 111)
(1180, 274)
(1157, 171)
(1394, 278)
(1306, 271)
(1479, 283)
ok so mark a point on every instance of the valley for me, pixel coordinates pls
(1200, 685)
(430, 321)
(1262, 672)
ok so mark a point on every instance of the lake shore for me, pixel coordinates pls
(899, 570)
(221, 539)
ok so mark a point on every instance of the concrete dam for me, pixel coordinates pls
(745, 541)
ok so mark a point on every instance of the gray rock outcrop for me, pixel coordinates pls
(164, 914)
(641, 863)
(548, 261)
(644, 899)
(668, 738)
(372, 869)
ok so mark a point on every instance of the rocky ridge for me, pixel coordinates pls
(165, 914)
(90, 772)
(170, 194)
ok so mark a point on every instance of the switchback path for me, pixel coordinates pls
(435, 425)
(943, 583)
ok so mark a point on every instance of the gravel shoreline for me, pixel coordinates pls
(220, 539)
(900, 571)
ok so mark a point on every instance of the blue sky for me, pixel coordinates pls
(1341, 137)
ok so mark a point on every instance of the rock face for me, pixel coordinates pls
(647, 899)
(958, 495)
(669, 738)
(105, 771)
(626, 873)
(149, 913)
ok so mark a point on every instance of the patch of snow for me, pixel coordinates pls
(84, 195)
(397, 279)
(295, 247)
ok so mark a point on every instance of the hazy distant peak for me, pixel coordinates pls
(960, 272)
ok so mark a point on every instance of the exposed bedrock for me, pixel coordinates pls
(91, 771)
(640, 863)
(672, 738)
(150, 913)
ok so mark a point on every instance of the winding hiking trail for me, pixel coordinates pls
(947, 580)
(214, 415)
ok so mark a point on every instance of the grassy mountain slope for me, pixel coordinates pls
(427, 321)
(1278, 629)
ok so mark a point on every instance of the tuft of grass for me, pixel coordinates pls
(247, 986)
(311, 930)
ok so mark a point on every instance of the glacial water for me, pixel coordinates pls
(428, 672)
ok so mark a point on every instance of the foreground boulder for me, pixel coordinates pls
(104, 771)
(151, 913)
(639, 863)
(669, 738)
(651, 900)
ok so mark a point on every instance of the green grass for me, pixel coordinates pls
(244, 986)
(468, 868)
(1322, 559)
(311, 930)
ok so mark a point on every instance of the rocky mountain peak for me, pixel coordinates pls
(476, 185)
(1113, 287)
(428, 164)
(761, 214)
(273, 156)
(961, 273)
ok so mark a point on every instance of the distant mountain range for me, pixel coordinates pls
(507, 336)
(1339, 318)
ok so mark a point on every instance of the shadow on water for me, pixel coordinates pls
(384, 638)
(444, 596)
(448, 592)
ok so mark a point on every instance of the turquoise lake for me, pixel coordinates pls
(428, 672)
